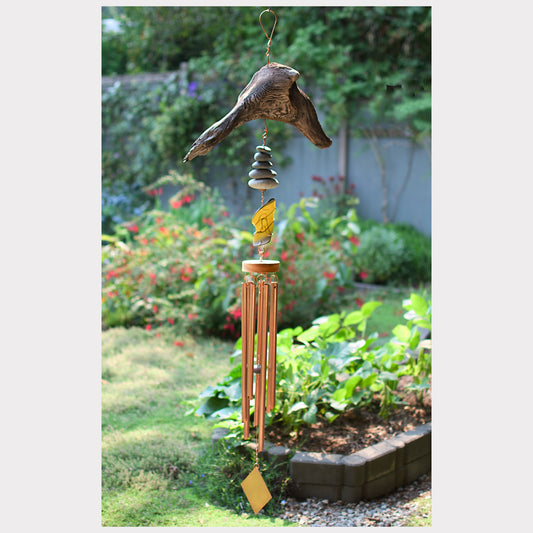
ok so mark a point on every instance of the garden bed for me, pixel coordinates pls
(360, 456)
(355, 429)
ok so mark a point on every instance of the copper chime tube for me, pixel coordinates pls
(272, 334)
(260, 310)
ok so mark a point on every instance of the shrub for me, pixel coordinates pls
(162, 268)
(380, 255)
(415, 264)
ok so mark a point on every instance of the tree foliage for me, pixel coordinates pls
(360, 65)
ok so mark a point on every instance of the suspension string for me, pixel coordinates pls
(271, 33)
(256, 464)
(265, 134)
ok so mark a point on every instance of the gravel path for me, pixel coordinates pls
(391, 510)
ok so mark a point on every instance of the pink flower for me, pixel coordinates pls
(363, 275)
(155, 308)
(283, 256)
(176, 204)
(148, 327)
(179, 343)
(170, 320)
(354, 240)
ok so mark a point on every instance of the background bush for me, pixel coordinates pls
(411, 266)
(182, 266)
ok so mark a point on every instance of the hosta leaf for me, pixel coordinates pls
(233, 391)
(353, 318)
(388, 376)
(309, 335)
(310, 415)
(357, 396)
(350, 384)
(213, 404)
(369, 307)
(297, 406)
(418, 304)
(402, 333)
(339, 395)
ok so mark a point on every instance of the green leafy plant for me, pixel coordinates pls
(329, 368)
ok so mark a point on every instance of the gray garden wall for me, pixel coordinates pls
(409, 185)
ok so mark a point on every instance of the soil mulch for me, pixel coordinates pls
(357, 428)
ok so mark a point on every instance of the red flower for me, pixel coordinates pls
(164, 231)
(363, 275)
(176, 204)
(328, 275)
(354, 240)
(283, 255)
(335, 245)
(359, 302)
(133, 228)
(155, 308)
(236, 313)
(170, 320)
(192, 316)
(225, 214)
(179, 343)
(148, 327)
(208, 221)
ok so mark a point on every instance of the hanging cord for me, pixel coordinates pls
(269, 10)
(271, 33)
(261, 249)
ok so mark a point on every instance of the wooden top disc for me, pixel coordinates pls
(257, 266)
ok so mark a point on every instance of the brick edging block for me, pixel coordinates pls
(369, 473)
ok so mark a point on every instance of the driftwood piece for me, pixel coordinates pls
(271, 94)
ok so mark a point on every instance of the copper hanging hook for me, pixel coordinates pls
(271, 33)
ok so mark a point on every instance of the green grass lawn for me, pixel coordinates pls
(150, 447)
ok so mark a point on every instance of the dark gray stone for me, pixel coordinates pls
(416, 468)
(417, 442)
(354, 470)
(381, 459)
(278, 454)
(311, 490)
(351, 494)
(380, 486)
(317, 468)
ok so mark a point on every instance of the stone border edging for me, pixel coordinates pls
(370, 473)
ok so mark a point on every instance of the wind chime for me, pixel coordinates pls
(271, 94)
